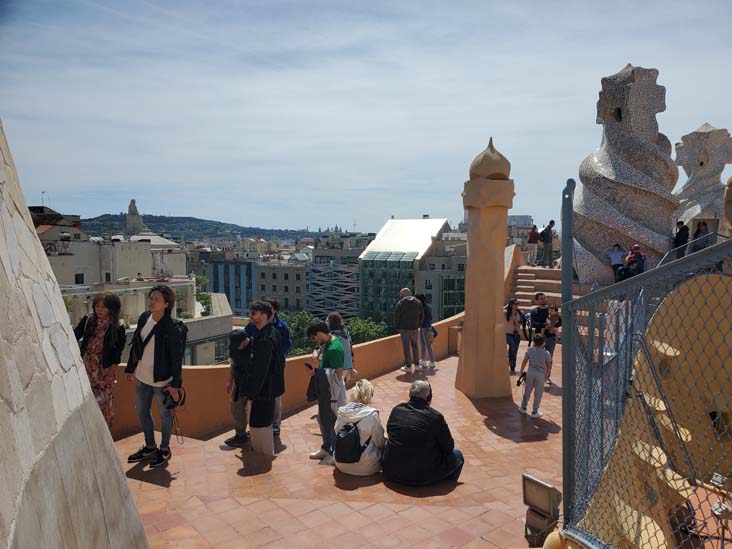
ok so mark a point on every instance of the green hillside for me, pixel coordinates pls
(189, 228)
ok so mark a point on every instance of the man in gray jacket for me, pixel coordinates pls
(408, 318)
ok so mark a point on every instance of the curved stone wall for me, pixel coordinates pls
(625, 191)
(63, 485)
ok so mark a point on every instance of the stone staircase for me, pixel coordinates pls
(528, 280)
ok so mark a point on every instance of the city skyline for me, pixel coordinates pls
(285, 115)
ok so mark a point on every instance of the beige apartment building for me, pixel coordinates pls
(285, 281)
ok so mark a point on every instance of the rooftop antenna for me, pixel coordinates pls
(354, 224)
(43, 201)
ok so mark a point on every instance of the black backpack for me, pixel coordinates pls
(252, 371)
(348, 447)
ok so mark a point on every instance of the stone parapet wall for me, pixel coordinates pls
(207, 410)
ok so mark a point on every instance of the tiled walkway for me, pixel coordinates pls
(211, 496)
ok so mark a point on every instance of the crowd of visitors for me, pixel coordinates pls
(416, 447)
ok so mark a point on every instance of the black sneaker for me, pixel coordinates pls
(161, 458)
(237, 441)
(142, 453)
(276, 430)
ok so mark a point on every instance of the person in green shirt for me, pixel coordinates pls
(331, 356)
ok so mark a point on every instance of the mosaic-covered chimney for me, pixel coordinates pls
(625, 192)
(703, 154)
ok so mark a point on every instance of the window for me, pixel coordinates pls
(297, 303)
(461, 267)
(287, 303)
(221, 350)
(428, 284)
(190, 355)
(107, 277)
(261, 275)
(297, 276)
(443, 266)
(287, 289)
(79, 278)
(297, 289)
(287, 276)
(77, 236)
(432, 266)
(274, 276)
(263, 288)
(428, 298)
(274, 287)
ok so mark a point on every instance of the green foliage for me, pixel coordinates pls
(204, 299)
(68, 302)
(298, 324)
(185, 314)
(361, 331)
(202, 283)
(366, 330)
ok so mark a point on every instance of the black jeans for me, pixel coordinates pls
(512, 340)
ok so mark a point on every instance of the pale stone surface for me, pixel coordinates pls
(625, 191)
(62, 484)
(703, 154)
(134, 221)
(483, 365)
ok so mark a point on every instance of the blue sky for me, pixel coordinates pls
(294, 114)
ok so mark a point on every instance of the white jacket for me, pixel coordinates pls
(369, 426)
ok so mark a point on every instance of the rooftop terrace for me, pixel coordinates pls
(212, 496)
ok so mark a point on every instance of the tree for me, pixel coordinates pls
(298, 323)
(204, 299)
(366, 330)
(202, 283)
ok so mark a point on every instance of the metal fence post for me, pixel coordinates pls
(568, 404)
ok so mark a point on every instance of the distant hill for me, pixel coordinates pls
(189, 228)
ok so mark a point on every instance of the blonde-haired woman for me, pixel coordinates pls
(370, 431)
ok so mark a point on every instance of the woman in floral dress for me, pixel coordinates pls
(102, 339)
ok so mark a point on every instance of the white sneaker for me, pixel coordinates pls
(536, 415)
(418, 368)
(327, 460)
(522, 411)
(320, 454)
(423, 363)
(432, 365)
(406, 369)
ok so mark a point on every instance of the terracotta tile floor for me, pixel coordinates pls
(211, 496)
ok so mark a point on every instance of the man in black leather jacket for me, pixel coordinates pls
(420, 449)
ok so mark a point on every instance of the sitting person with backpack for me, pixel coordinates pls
(359, 433)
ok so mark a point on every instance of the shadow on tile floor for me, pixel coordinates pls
(159, 476)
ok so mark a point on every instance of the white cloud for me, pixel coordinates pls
(297, 114)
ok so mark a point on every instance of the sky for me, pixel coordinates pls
(294, 114)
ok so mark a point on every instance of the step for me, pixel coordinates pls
(665, 422)
(553, 299)
(541, 272)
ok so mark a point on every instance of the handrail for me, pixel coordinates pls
(712, 237)
(708, 254)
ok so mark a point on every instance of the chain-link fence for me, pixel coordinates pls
(649, 407)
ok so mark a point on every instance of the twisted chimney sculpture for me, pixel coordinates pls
(625, 191)
(703, 154)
